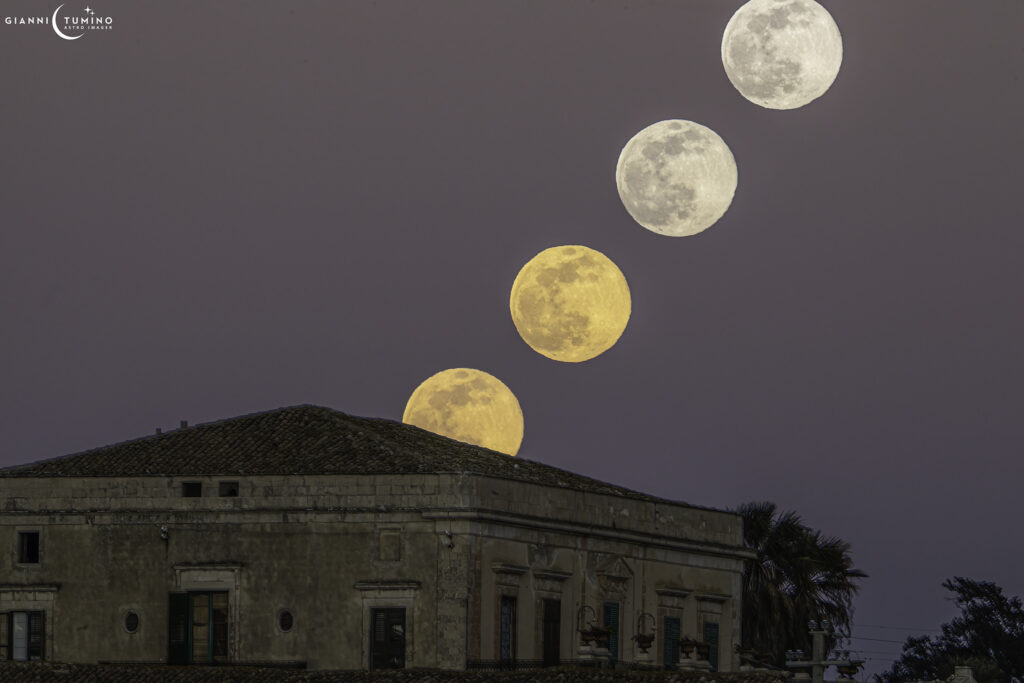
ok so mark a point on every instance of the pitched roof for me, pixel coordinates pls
(310, 440)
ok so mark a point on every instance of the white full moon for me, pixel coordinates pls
(782, 54)
(676, 177)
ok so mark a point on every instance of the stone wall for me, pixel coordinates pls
(329, 548)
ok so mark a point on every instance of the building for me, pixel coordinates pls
(307, 536)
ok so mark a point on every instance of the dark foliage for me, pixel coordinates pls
(798, 575)
(988, 636)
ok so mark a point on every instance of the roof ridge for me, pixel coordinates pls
(307, 439)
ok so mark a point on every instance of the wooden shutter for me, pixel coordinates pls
(671, 644)
(552, 630)
(507, 631)
(611, 618)
(177, 629)
(37, 635)
(387, 638)
(711, 638)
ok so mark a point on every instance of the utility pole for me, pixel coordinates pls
(818, 664)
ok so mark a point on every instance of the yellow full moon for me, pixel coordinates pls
(570, 303)
(782, 54)
(470, 406)
(676, 177)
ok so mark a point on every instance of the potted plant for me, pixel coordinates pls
(644, 641)
(601, 634)
(686, 644)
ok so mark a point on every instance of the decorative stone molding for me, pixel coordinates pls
(710, 603)
(508, 575)
(672, 597)
(613, 578)
(388, 585)
(549, 580)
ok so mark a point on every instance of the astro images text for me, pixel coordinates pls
(88, 20)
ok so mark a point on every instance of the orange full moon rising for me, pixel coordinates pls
(470, 406)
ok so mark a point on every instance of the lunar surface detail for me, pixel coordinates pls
(470, 406)
(676, 177)
(570, 303)
(782, 54)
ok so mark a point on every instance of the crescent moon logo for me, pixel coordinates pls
(53, 23)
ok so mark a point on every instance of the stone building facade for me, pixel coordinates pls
(307, 536)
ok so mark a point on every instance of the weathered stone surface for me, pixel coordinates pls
(308, 542)
(83, 673)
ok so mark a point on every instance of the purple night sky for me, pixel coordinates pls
(221, 208)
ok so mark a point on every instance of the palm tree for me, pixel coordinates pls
(798, 575)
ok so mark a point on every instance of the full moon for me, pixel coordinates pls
(570, 303)
(676, 177)
(470, 406)
(782, 54)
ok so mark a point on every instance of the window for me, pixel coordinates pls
(671, 656)
(192, 489)
(28, 547)
(285, 620)
(507, 632)
(550, 647)
(198, 628)
(387, 638)
(131, 622)
(26, 635)
(228, 489)
(711, 638)
(611, 620)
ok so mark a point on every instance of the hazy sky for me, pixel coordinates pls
(213, 209)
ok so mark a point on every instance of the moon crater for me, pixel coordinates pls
(468, 405)
(676, 177)
(782, 54)
(570, 303)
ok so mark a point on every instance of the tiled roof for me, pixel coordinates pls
(305, 440)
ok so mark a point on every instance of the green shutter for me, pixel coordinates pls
(711, 638)
(177, 629)
(611, 618)
(671, 643)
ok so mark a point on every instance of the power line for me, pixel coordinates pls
(900, 628)
(878, 640)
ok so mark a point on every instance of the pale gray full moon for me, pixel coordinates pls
(676, 177)
(782, 54)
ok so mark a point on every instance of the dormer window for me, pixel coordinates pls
(191, 489)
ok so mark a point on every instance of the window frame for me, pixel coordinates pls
(39, 645)
(21, 536)
(185, 489)
(280, 615)
(124, 621)
(228, 489)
